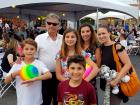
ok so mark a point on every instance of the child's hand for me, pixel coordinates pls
(16, 73)
(28, 82)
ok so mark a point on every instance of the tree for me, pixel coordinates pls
(87, 20)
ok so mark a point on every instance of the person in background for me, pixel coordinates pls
(134, 30)
(6, 40)
(122, 38)
(48, 46)
(126, 27)
(9, 57)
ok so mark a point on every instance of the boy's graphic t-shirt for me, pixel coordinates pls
(29, 95)
(84, 94)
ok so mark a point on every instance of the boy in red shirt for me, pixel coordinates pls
(76, 91)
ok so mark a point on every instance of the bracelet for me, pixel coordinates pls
(12, 63)
(86, 55)
(116, 80)
(12, 76)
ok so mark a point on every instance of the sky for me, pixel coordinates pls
(124, 2)
(128, 1)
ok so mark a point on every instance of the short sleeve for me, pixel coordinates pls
(14, 68)
(57, 56)
(85, 54)
(59, 97)
(121, 47)
(92, 95)
(43, 67)
(98, 45)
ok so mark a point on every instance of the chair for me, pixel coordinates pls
(4, 87)
(133, 48)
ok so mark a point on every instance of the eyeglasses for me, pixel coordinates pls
(54, 24)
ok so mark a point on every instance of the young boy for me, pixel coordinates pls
(76, 91)
(29, 91)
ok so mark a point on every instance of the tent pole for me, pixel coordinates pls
(124, 22)
(97, 20)
(138, 2)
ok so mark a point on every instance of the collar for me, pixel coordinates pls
(57, 37)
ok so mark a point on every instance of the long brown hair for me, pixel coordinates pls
(64, 49)
(93, 40)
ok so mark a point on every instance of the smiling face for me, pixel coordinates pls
(76, 71)
(86, 33)
(70, 39)
(52, 25)
(29, 51)
(103, 35)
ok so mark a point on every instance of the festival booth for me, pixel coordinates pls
(70, 10)
(109, 14)
(111, 17)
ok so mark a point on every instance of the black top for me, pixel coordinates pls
(108, 60)
(107, 57)
(5, 64)
(91, 52)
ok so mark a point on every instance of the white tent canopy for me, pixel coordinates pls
(109, 14)
(79, 7)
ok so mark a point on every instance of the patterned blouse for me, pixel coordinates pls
(64, 60)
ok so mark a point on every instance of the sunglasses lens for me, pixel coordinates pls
(54, 24)
(48, 23)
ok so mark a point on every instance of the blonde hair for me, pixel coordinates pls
(13, 44)
(54, 16)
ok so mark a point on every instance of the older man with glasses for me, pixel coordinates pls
(48, 46)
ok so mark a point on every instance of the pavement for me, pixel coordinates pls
(9, 97)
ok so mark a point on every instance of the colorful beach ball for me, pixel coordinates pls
(28, 72)
(88, 71)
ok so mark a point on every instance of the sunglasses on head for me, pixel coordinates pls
(54, 24)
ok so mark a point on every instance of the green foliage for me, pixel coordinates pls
(87, 20)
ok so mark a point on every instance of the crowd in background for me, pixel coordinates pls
(85, 39)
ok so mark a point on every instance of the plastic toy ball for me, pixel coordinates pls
(28, 72)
